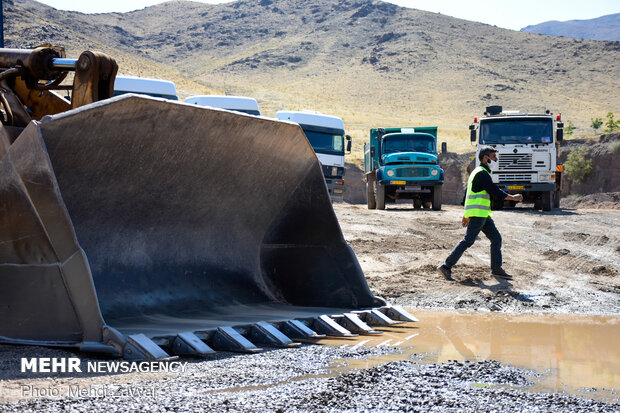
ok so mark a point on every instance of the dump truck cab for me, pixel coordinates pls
(241, 104)
(526, 145)
(145, 86)
(401, 163)
(327, 137)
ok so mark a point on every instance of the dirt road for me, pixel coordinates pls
(566, 261)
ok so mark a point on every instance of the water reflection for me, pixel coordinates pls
(572, 352)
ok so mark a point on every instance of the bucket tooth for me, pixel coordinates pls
(229, 339)
(140, 347)
(297, 330)
(354, 324)
(187, 344)
(325, 325)
(376, 318)
(266, 334)
(398, 313)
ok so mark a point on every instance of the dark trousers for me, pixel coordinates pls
(477, 224)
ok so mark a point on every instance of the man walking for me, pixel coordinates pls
(477, 216)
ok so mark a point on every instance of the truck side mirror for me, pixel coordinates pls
(348, 138)
(444, 147)
(372, 151)
(559, 135)
(472, 133)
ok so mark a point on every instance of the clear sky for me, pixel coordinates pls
(508, 14)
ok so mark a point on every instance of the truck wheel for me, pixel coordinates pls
(427, 204)
(556, 199)
(380, 195)
(417, 204)
(437, 197)
(370, 195)
(547, 200)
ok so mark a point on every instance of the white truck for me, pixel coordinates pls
(326, 136)
(237, 103)
(145, 86)
(527, 149)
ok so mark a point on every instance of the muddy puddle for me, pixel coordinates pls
(575, 354)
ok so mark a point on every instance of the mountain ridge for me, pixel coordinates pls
(370, 62)
(601, 28)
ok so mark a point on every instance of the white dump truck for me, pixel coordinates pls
(527, 151)
(326, 135)
(241, 104)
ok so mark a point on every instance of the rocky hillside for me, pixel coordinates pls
(370, 62)
(601, 28)
(603, 155)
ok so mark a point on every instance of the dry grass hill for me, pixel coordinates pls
(370, 62)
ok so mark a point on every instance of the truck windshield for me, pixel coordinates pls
(326, 142)
(409, 143)
(499, 131)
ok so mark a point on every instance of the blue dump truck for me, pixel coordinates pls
(401, 163)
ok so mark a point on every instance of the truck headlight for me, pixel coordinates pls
(334, 171)
(434, 172)
(545, 177)
(390, 172)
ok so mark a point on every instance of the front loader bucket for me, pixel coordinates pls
(135, 221)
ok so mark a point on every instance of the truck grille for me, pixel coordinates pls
(516, 161)
(416, 172)
(515, 177)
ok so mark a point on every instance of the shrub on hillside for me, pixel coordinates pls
(596, 124)
(577, 166)
(611, 124)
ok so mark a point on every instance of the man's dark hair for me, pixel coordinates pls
(487, 150)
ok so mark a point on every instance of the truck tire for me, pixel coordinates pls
(547, 201)
(556, 199)
(380, 195)
(437, 197)
(427, 204)
(417, 203)
(370, 195)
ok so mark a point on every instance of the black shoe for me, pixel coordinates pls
(501, 274)
(446, 272)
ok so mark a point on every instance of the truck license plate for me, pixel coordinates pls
(515, 187)
(398, 182)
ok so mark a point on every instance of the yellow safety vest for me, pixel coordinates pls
(477, 204)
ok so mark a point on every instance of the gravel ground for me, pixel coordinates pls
(566, 262)
(294, 380)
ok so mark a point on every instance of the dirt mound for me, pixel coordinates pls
(606, 200)
(354, 186)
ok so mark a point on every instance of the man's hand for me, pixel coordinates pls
(516, 198)
(465, 221)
